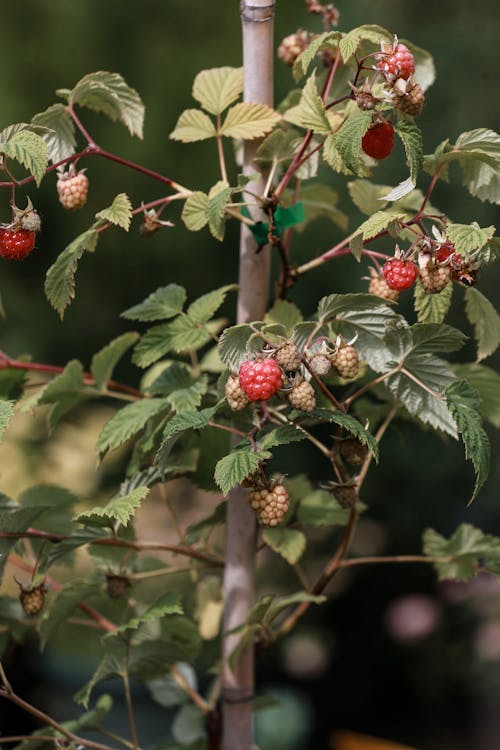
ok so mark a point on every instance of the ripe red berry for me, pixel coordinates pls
(400, 274)
(16, 244)
(378, 141)
(400, 63)
(260, 378)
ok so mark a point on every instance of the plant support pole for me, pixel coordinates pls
(257, 18)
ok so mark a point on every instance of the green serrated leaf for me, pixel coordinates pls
(367, 197)
(109, 93)
(60, 279)
(189, 398)
(128, 421)
(156, 342)
(64, 604)
(217, 88)
(390, 219)
(462, 553)
(350, 424)
(166, 302)
(469, 237)
(194, 213)
(15, 521)
(202, 309)
(487, 383)
(411, 137)
(167, 604)
(30, 150)
(368, 32)
(327, 40)
(189, 420)
(321, 508)
(118, 508)
(69, 381)
(425, 71)
(248, 121)
(478, 153)
(240, 464)
(110, 666)
(310, 112)
(348, 139)
(218, 199)
(284, 435)
(432, 308)
(193, 125)
(284, 313)
(277, 147)
(332, 156)
(282, 603)
(486, 321)
(464, 403)
(289, 543)
(233, 345)
(6, 412)
(60, 140)
(118, 213)
(321, 201)
(105, 361)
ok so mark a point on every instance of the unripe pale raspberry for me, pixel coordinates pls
(434, 278)
(292, 45)
(302, 396)
(72, 188)
(288, 357)
(346, 362)
(271, 505)
(32, 600)
(380, 288)
(260, 378)
(320, 364)
(412, 101)
(236, 398)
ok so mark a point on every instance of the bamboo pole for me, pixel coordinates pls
(257, 18)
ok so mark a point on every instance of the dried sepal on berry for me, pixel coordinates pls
(26, 218)
(151, 223)
(408, 96)
(235, 395)
(72, 187)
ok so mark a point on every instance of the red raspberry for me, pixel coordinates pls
(271, 506)
(16, 244)
(400, 63)
(400, 274)
(260, 378)
(446, 254)
(378, 141)
(72, 188)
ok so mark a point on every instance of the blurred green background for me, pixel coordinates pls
(439, 690)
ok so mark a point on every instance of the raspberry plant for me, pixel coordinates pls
(231, 396)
